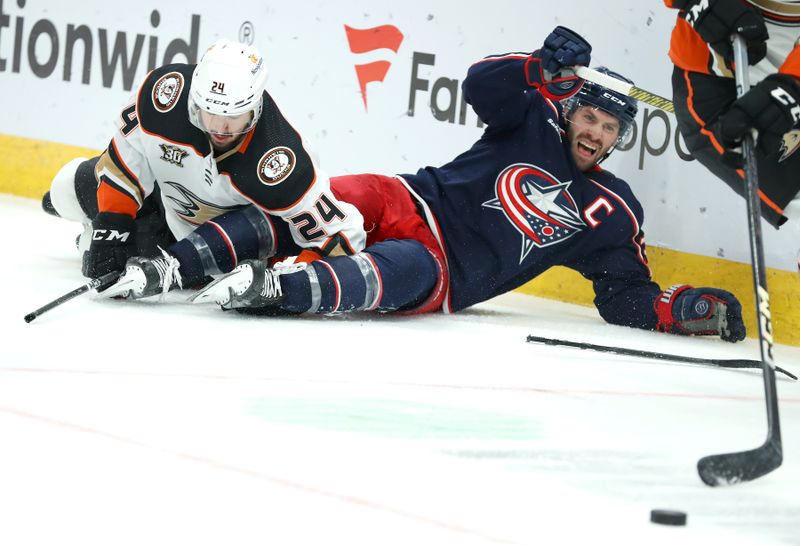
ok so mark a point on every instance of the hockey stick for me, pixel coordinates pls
(743, 466)
(625, 88)
(720, 362)
(99, 283)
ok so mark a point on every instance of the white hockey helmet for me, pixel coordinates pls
(228, 81)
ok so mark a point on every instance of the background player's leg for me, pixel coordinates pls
(72, 191)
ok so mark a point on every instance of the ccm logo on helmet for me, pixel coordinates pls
(167, 90)
(613, 98)
(275, 165)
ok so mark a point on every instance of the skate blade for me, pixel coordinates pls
(124, 286)
(223, 289)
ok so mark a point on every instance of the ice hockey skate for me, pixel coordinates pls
(251, 284)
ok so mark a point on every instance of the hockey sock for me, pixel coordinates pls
(218, 245)
(390, 275)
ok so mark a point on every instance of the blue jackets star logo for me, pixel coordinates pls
(537, 204)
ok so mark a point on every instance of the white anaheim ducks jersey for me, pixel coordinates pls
(157, 144)
(783, 23)
(782, 17)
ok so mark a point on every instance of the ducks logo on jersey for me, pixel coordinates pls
(275, 165)
(166, 91)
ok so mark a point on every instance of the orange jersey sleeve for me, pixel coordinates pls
(791, 65)
(687, 49)
(110, 199)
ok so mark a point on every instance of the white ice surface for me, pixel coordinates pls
(132, 423)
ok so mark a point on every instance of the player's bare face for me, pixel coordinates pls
(591, 133)
(225, 131)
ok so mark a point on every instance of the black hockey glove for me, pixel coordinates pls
(689, 311)
(717, 20)
(545, 68)
(112, 244)
(772, 107)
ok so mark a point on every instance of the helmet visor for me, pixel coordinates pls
(587, 110)
(221, 124)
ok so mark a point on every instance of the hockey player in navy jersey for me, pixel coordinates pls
(195, 142)
(530, 194)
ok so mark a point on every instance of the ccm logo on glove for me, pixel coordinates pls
(784, 97)
(110, 235)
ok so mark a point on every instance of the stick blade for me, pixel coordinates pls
(742, 466)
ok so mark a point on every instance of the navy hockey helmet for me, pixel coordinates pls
(622, 107)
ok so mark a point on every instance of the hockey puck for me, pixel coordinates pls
(668, 517)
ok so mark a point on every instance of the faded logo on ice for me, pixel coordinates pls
(537, 204)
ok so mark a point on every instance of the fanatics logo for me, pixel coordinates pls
(370, 39)
(173, 154)
(276, 165)
(167, 90)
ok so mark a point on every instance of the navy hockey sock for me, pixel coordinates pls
(390, 275)
(218, 245)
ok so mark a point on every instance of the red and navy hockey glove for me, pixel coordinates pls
(112, 244)
(547, 69)
(717, 20)
(689, 311)
(772, 107)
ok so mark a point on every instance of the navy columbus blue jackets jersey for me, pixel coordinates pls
(515, 204)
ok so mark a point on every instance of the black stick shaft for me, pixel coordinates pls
(98, 283)
(730, 468)
(763, 314)
(721, 362)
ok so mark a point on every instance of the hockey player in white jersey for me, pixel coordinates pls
(710, 117)
(195, 142)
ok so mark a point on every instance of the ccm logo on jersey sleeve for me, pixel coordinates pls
(275, 165)
(167, 90)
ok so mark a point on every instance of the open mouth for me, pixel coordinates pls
(586, 148)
